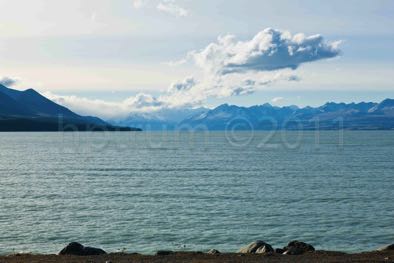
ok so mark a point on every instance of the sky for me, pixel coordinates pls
(113, 57)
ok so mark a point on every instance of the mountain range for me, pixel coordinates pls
(30, 111)
(330, 116)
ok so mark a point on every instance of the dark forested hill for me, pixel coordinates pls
(30, 111)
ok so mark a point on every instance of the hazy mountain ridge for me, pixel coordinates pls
(355, 116)
(358, 116)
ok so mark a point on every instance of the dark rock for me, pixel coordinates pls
(258, 246)
(279, 250)
(164, 252)
(266, 249)
(213, 252)
(77, 249)
(297, 248)
(386, 248)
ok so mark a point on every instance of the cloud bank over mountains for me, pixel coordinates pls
(107, 109)
(227, 67)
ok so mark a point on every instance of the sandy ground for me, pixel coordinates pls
(318, 256)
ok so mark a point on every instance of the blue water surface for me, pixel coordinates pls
(142, 192)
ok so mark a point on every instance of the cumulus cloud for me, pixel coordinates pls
(268, 50)
(228, 67)
(166, 6)
(231, 67)
(8, 81)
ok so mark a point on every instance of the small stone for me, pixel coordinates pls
(279, 250)
(213, 252)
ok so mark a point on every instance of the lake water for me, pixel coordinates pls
(148, 191)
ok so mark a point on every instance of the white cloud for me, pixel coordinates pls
(170, 7)
(228, 68)
(277, 99)
(233, 68)
(238, 84)
(106, 109)
(142, 101)
(8, 81)
(268, 50)
(166, 6)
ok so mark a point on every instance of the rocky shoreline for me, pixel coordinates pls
(258, 251)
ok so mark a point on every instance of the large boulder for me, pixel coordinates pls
(257, 247)
(297, 248)
(387, 248)
(77, 249)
